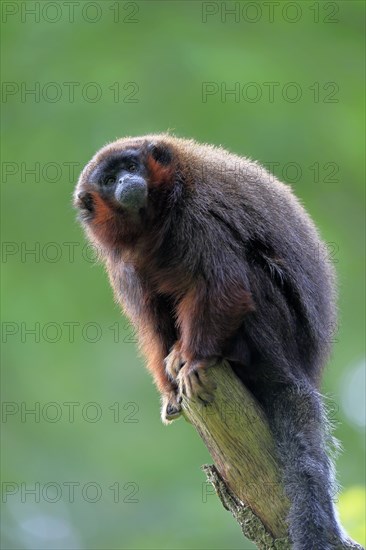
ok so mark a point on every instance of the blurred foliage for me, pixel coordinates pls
(352, 511)
(167, 51)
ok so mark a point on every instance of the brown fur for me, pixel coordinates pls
(171, 289)
(222, 261)
(159, 175)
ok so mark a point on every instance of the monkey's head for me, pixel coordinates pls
(124, 189)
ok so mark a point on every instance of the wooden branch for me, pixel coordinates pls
(246, 475)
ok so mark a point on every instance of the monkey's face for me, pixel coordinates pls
(122, 190)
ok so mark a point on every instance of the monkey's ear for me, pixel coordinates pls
(161, 153)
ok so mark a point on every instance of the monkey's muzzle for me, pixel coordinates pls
(126, 191)
(131, 192)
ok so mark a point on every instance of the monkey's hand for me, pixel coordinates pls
(194, 383)
(190, 377)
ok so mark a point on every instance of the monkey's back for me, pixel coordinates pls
(251, 215)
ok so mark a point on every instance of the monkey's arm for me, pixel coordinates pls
(208, 315)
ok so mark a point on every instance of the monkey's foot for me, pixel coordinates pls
(171, 408)
(194, 383)
(174, 362)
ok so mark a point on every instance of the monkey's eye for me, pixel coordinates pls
(131, 167)
(108, 180)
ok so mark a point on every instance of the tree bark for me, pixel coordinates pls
(246, 475)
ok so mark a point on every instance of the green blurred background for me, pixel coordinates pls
(135, 68)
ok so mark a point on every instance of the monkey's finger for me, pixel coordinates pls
(189, 385)
(173, 364)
